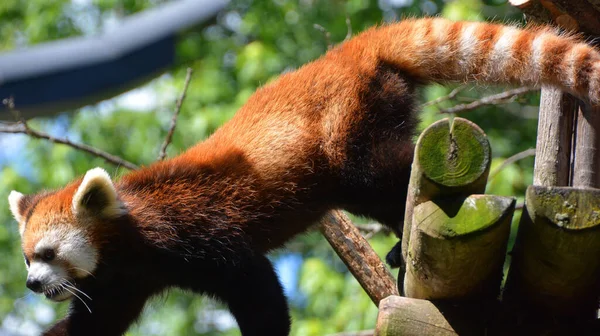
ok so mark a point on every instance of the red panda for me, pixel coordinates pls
(336, 133)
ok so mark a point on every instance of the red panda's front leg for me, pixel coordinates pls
(253, 294)
(112, 312)
(59, 328)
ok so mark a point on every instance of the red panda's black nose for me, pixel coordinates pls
(34, 285)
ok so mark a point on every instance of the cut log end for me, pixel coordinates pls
(411, 317)
(453, 159)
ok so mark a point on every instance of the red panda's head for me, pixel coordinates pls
(59, 232)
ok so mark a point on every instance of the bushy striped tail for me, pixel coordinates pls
(436, 49)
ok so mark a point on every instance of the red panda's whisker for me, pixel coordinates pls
(68, 284)
(62, 285)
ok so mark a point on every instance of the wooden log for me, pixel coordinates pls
(546, 11)
(586, 153)
(533, 9)
(457, 248)
(359, 257)
(583, 12)
(555, 266)
(446, 163)
(555, 129)
(410, 317)
(595, 3)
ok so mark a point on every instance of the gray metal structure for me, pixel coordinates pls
(71, 73)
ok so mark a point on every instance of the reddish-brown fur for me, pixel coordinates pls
(336, 133)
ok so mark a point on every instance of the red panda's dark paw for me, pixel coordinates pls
(394, 257)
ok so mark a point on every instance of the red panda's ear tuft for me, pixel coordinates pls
(16, 200)
(96, 196)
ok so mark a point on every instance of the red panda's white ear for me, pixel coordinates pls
(15, 200)
(96, 196)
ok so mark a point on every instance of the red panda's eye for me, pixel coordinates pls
(48, 255)
(26, 260)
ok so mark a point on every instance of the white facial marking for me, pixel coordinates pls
(71, 246)
(46, 273)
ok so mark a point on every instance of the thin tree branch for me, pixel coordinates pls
(163, 150)
(325, 33)
(21, 127)
(349, 28)
(499, 98)
(519, 156)
(451, 95)
(355, 333)
(358, 256)
(371, 229)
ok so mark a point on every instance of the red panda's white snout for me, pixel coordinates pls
(55, 231)
(62, 256)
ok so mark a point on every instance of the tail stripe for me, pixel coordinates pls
(468, 47)
(487, 35)
(571, 65)
(502, 55)
(522, 69)
(585, 70)
(537, 55)
(555, 51)
(447, 37)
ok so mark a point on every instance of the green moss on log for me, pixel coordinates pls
(461, 217)
(453, 159)
(555, 266)
(457, 248)
(446, 164)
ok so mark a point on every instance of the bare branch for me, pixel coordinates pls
(163, 150)
(451, 95)
(355, 333)
(499, 98)
(325, 33)
(21, 127)
(10, 104)
(358, 255)
(371, 229)
(519, 156)
(349, 28)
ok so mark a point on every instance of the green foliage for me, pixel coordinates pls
(252, 43)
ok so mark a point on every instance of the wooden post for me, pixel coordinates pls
(446, 163)
(554, 269)
(555, 263)
(359, 257)
(457, 248)
(451, 165)
(586, 152)
(411, 317)
(555, 130)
